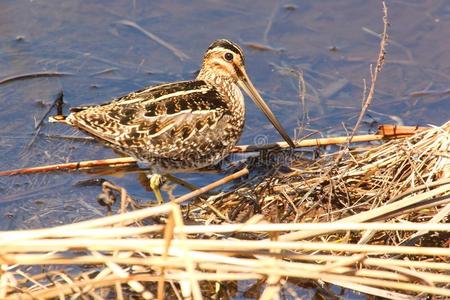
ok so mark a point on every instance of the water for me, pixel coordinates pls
(333, 43)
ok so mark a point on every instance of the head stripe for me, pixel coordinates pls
(226, 44)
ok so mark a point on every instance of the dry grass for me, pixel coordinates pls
(372, 219)
(377, 224)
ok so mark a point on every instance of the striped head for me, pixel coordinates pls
(224, 60)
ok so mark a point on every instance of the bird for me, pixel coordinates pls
(180, 126)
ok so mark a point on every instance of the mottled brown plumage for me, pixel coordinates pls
(179, 126)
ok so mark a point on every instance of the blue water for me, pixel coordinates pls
(104, 59)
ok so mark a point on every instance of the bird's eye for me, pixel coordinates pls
(228, 56)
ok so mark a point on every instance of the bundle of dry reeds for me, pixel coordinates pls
(373, 221)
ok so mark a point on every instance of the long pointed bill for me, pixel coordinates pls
(245, 83)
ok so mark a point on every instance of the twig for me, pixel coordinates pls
(112, 162)
(68, 137)
(261, 47)
(211, 186)
(302, 96)
(190, 265)
(155, 246)
(430, 93)
(375, 262)
(34, 75)
(177, 52)
(231, 228)
(270, 23)
(56, 103)
(409, 60)
(374, 73)
(384, 132)
(168, 237)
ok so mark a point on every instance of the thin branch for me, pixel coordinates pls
(34, 75)
(177, 52)
(374, 73)
(56, 103)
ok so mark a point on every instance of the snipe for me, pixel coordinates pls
(180, 126)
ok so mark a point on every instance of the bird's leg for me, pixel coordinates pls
(155, 184)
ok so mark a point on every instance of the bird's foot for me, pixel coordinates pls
(156, 181)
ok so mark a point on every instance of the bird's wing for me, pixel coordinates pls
(154, 118)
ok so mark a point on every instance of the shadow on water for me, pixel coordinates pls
(96, 56)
